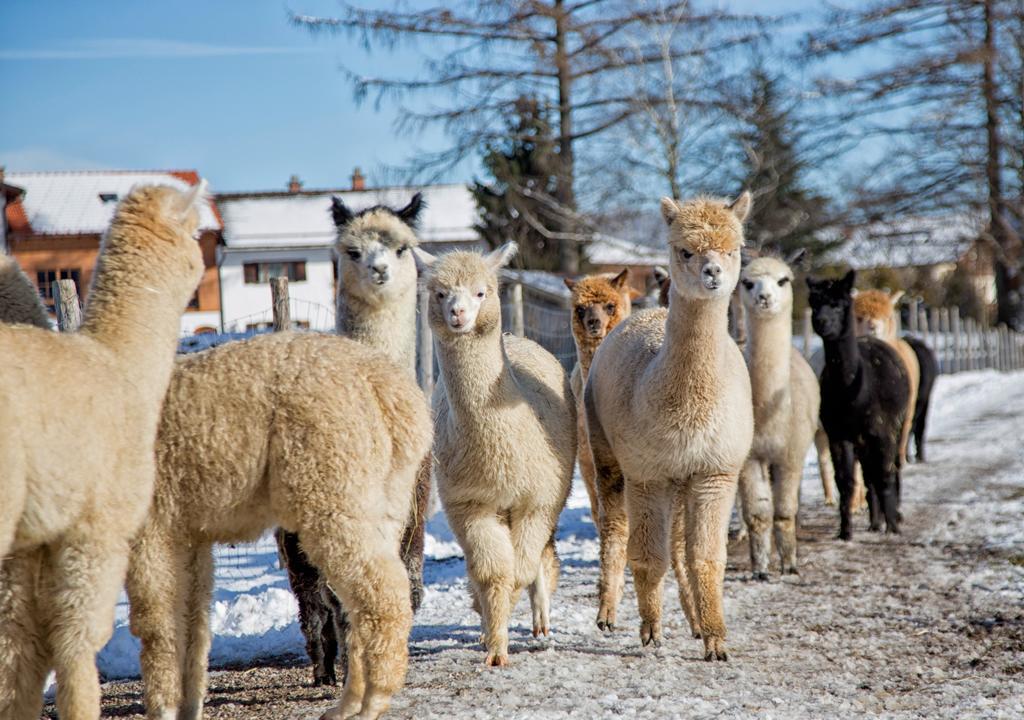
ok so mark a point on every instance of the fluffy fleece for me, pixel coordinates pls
(786, 401)
(669, 418)
(874, 315)
(78, 421)
(317, 434)
(864, 392)
(19, 301)
(376, 306)
(505, 427)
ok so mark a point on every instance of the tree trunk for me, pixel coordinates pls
(569, 259)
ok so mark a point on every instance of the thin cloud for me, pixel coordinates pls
(140, 48)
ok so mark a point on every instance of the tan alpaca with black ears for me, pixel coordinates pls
(874, 316)
(505, 443)
(599, 303)
(78, 472)
(669, 416)
(786, 402)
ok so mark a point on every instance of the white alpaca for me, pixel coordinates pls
(77, 428)
(505, 443)
(786, 400)
(669, 416)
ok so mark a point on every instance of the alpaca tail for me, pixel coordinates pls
(19, 299)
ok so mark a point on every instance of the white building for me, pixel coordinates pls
(291, 233)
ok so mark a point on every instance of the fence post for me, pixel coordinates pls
(279, 296)
(518, 322)
(973, 345)
(944, 359)
(425, 344)
(954, 328)
(806, 330)
(66, 305)
(933, 330)
(1001, 363)
(984, 334)
(912, 316)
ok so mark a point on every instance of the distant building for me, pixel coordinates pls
(291, 233)
(53, 222)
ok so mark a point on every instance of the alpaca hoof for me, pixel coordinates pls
(760, 576)
(875, 527)
(496, 661)
(844, 535)
(539, 630)
(696, 634)
(606, 626)
(830, 502)
(892, 530)
(714, 649)
(792, 570)
(650, 633)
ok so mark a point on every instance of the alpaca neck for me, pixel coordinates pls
(768, 350)
(842, 357)
(474, 370)
(688, 362)
(139, 323)
(389, 327)
(585, 349)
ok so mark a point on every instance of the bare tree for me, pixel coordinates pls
(484, 56)
(942, 102)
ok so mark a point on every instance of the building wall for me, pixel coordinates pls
(244, 304)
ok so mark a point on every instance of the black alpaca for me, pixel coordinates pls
(864, 392)
(929, 372)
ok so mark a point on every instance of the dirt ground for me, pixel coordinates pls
(927, 624)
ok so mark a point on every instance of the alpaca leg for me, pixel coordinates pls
(334, 636)
(197, 629)
(756, 493)
(683, 579)
(708, 501)
(614, 535)
(649, 517)
(586, 462)
(882, 479)
(828, 476)
(786, 503)
(413, 537)
(842, 461)
(373, 586)
(920, 420)
(543, 588)
(24, 656)
(156, 584)
(86, 576)
(305, 581)
(860, 493)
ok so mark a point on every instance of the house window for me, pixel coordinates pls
(193, 304)
(108, 197)
(294, 270)
(46, 278)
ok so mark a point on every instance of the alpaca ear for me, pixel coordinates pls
(193, 198)
(660, 274)
(499, 258)
(747, 255)
(340, 212)
(619, 280)
(741, 207)
(424, 260)
(848, 280)
(410, 214)
(796, 257)
(635, 294)
(569, 282)
(895, 297)
(669, 209)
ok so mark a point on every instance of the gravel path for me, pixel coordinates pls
(929, 624)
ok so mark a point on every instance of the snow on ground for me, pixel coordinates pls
(928, 624)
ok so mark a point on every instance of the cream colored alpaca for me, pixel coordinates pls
(786, 400)
(19, 301)
(317, 434)
(669, 416)
(505, 427)
(78, 423)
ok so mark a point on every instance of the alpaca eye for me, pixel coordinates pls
(609, 308)
(748, 284)
(580, 312)
(401, 251)
(686, 254)
(783, 281)
(353, 253)
(440, 295)
(480, 294)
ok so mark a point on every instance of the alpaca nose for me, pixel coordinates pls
(380, 268)
(763, 298)
(712, 274)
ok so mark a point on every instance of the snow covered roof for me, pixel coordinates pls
(83, 202)
(605, 250)
(285, 219)
(907, 242)
(541, 280)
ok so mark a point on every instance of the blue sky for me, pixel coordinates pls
(228, 87)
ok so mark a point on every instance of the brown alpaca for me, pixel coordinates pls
(670, 418)
(78, 471)
(599, 303)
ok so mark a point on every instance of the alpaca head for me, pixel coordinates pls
(463, 291)
(705, 237)
(599, 303)
(375, 249)
(873, 313)
(831, 305)
(767, 288)
(161, 223)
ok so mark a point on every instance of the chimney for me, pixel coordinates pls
(294, 184)
(358, 181)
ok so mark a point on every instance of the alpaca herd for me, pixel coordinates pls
(329, 440)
